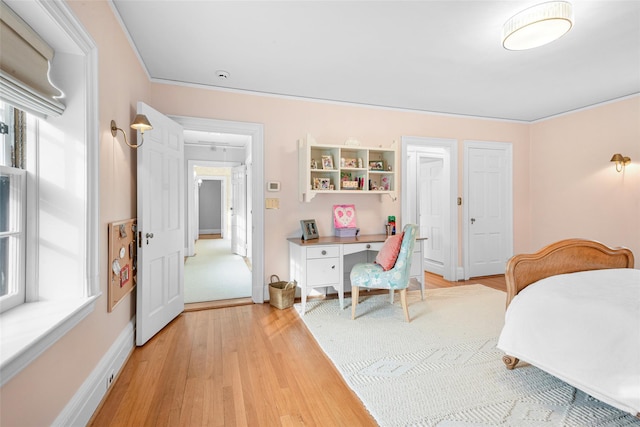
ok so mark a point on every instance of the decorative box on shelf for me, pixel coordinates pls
(349, 185)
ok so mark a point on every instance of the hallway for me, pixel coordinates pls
(215, 273)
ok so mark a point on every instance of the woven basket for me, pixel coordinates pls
(281, 293)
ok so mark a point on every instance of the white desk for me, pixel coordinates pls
(321, 263)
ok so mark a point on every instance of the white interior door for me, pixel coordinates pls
(488, 210)
(160, 279)
(431, 211)
(239, 210)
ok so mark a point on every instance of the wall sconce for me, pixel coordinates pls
(140, 122)
(621, 161)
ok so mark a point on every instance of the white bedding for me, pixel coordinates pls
(583, 328)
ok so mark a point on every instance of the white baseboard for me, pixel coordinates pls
(210, 231)
(434, 267)
(81, 407)
(460, 273)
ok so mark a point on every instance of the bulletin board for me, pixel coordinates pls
(123, 251)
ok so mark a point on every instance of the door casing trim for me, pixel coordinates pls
(447, 149)
(255, 160)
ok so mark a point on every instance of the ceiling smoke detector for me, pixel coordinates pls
(222, 75)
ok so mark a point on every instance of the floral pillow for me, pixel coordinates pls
(389, 252)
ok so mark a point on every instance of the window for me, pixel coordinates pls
(49, 192)
(12, 208)
(12, 237)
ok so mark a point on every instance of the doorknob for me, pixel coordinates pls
(148, 236)
(473, 220)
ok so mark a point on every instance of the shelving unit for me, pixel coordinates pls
(339, 169)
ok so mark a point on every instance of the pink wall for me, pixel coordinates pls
(37, 395)
(575, 190)
(288, 120)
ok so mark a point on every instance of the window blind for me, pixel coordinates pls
(24, 67)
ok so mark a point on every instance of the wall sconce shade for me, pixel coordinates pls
(620, 161)
(537, 25)
(140, 123)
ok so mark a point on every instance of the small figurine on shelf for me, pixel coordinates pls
(360, 163)
(386, 183)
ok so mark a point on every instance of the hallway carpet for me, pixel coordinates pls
(215, 273)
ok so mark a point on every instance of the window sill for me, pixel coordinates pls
(28, 330)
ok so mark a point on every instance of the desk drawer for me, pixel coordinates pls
(323, 271)
(353, 248)
(323, 252)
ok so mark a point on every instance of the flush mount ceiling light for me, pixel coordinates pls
(537, 25)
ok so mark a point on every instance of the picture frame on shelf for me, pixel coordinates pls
(322, 184)
(327, 162)
(376, 165)
(325, 183)
(309, 229)
(350, 163)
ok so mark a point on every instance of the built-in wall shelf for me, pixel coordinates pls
(341, 169)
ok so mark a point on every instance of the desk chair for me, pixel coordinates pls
(373, 276)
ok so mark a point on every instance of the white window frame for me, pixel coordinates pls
(30, 328)
(17, 231)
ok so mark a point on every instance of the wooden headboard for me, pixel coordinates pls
(565, 256)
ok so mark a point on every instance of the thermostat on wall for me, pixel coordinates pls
(273, 186)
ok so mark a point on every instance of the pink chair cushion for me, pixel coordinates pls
(389, 252)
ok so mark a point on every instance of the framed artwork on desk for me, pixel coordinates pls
(344, 216)
(309, 229)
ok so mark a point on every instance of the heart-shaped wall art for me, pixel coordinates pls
(344, 216)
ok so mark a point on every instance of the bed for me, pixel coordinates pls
(573, 310)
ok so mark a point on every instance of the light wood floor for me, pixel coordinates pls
(249, 365)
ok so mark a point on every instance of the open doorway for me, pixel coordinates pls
(211, 204)
(429, 177)
(213, 149)
(215, 271)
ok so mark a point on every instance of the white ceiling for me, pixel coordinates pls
(434, 56)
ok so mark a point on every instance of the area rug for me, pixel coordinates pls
(215, 273)
(443, 369)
